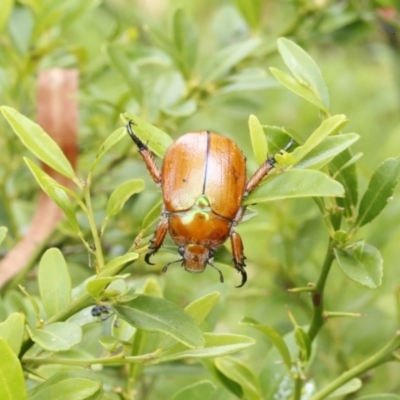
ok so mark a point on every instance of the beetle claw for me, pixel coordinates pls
(147, 258)
(221, 277)
(244, 275)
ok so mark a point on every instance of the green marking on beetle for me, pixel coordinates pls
(202, 202)
(193, 214)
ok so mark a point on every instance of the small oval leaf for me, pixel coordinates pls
(12, 331)
(362, 263)
(54, 282)
(12, 385)
(155, 314)
(59, 336)
(258, 140)
(295, 183)
(38, 142)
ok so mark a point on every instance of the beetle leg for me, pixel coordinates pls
(238, 256)
(259, 175)
(158, 238)
(146, 154)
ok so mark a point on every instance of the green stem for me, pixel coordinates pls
(381, 356)
(95, 233)
(318, 319)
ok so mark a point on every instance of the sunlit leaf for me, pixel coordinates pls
(12, 331)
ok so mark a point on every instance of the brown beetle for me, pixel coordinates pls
(203, 183)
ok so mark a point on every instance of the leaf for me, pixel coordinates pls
(121, 194)
(219, 65)
(276, 339)
(59, 336)
(347, 176)
(54, 282)
(12, 384)
(6, 9)
(330, 147)
(379, 191)
(55, 192)
(114, 265)
(304, 69)
(200, 308)
(329, 126)
(111, 141)
(185, 38)
(349, 387)
(304, 343)
(128, 70)
(3, 233)
(239, 372)
(258, 140)
(216, 345)
(76, 384)
(203, 390)
(38, 142)
(386, 396)
(293, 85)
(157, 140)
(98, 285)
(251, 10)
(362, 263)
(295, 183)
(12, 331)
(154, 314)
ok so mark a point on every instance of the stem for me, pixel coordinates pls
(381, 356)
(92, 223)
(318, 319)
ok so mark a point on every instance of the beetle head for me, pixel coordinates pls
(195, 257)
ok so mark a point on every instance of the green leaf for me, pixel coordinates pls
(55, 192)
(12, 384)
(239, 372)
(216, 345)
(54, 282)
(200, 308)
(128, 70)
(59, 336)
(362, 263)
(38, 142)
(349, 387)
(185, 38)
(6, 9)
(111, 141)
(121, 194)
(329, 126)
(346, 174)
(3, 233)
(12, 331)
(295, 183)
(386, 396)
(251, 11)
(203, 390)
(152, 216)
(157, 140)
(294, 86)
(327, 150)
(156, 314)
(115, 263)
(379, 192)
(304, 69)
(219, 65)
(77, 384)
(304, 343)
(276, 339)
(98, 285)
(258, 140)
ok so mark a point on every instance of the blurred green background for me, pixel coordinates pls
(126, 62)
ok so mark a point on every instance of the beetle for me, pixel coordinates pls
(203, 183)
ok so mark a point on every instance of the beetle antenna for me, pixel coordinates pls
(172, 262)
(221, 277)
